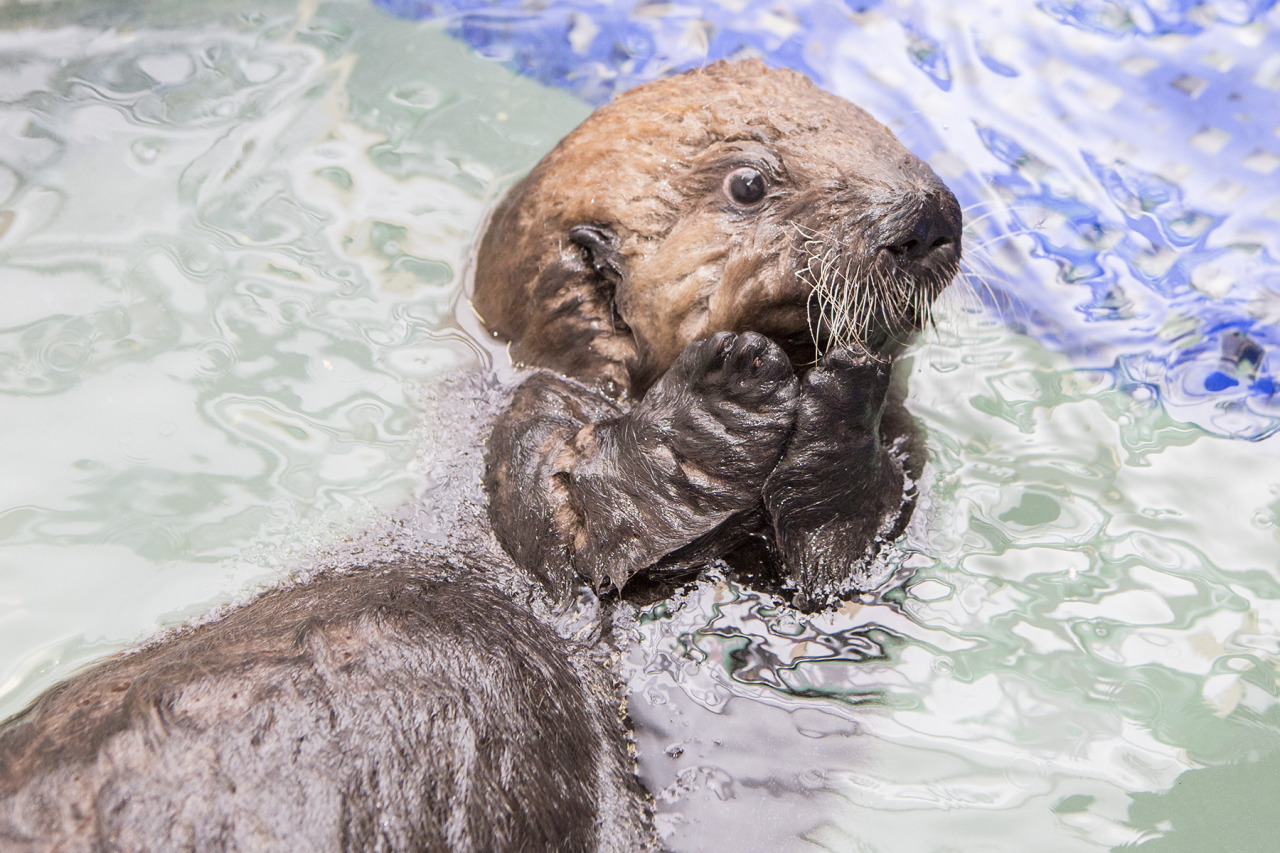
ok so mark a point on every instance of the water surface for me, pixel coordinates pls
(231, 246)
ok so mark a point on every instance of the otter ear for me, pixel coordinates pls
(602, 250)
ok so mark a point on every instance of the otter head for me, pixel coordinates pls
(734, 197)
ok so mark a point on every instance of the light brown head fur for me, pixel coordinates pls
(625, 243)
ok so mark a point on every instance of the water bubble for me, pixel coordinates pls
(65, 356)
(719, 782)
(216, 358)
(145, 151)
(1025, 774)
(1138, 700)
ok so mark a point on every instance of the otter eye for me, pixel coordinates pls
(745, 186)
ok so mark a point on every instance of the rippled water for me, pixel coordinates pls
(230, 248)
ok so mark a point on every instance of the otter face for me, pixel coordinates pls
(733, 198)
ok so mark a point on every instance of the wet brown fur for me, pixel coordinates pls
(410, 706)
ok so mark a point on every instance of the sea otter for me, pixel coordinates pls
(674, 264)
(710, 277)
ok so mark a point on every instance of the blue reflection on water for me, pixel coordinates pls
(1151, 192)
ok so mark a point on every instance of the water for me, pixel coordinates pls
(1087, 620)
(231, 246)
(230, 257)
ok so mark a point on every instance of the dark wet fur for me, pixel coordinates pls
(405, 707)
(728, 455)
(636, 487)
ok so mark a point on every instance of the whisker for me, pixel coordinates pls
(861, 305)
(1004, 235)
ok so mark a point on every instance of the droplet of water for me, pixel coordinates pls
(145, 151)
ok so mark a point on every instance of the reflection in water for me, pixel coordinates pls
(230, 245)
(229, 256)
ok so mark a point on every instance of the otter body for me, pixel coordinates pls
(405, 707)
(709, 279)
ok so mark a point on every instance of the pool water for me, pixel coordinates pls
(232, 248)
(230, 258)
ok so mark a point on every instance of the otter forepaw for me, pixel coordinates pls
(845, 391)
(738, 407)
(838, 490)
(692, 454)
(746, 369)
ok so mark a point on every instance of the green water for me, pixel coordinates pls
(229, 259)
(230, 249)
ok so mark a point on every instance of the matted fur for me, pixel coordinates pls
(410, 706)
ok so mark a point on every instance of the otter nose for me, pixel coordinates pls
(914, 233)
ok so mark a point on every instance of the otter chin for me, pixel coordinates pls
(733, 198)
